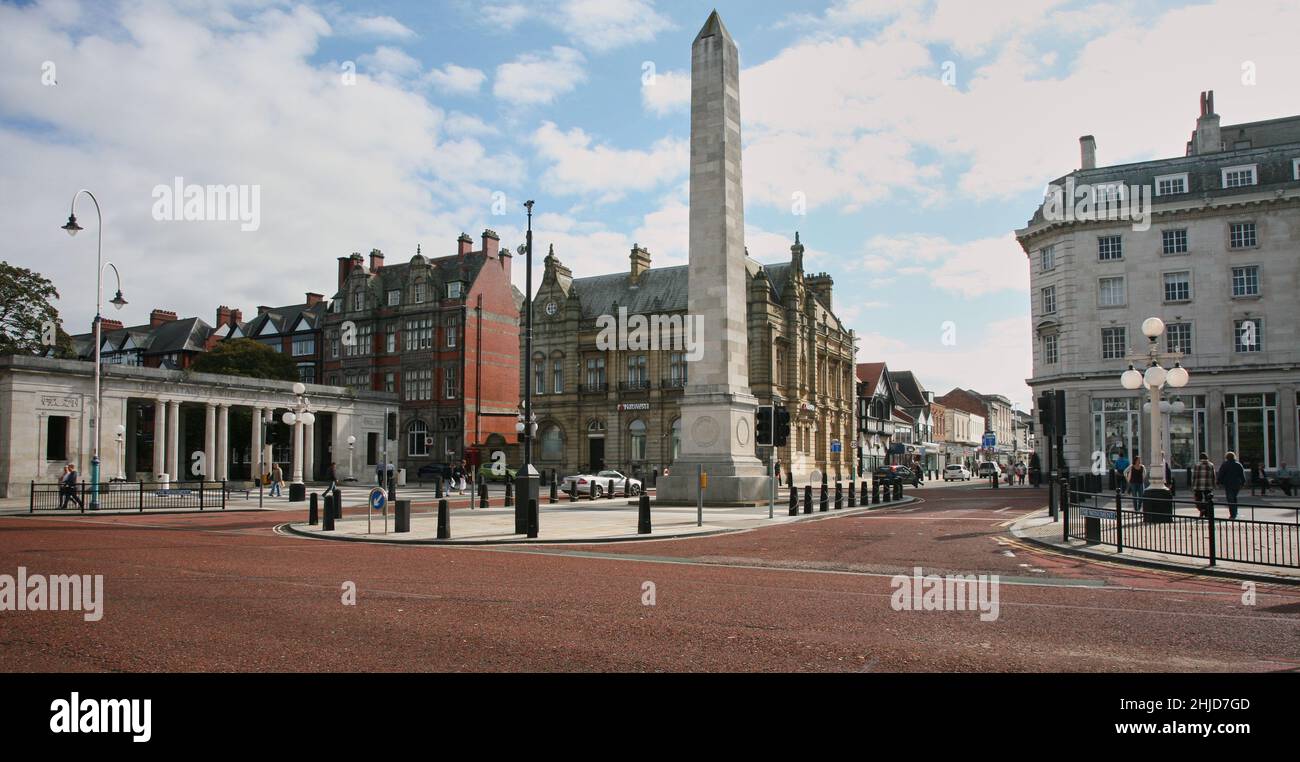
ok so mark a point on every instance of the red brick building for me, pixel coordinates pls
(443, 334)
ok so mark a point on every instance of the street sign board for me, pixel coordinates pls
(990, 440)
(1097, 513)
(378, 499)
(836, 446)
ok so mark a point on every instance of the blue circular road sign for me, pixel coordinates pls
(378, 499)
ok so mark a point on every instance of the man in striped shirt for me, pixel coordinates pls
(1203, 485)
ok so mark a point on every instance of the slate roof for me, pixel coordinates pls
(284, 319)
(185, 335)
(663, 289)
(908, 388)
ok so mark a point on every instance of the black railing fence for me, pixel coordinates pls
(1263, 535)
(129, 496)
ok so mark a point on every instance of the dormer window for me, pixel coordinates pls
(1239, 177)
(358, 301)
(1171, 185)
(454, 290)
(417, 293)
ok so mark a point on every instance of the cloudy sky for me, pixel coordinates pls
(917, 136)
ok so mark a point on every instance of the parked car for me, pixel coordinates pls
(432, 472)
(602, 479)
(956, 472)
(891, 474)
(989, 468)
(486, 473)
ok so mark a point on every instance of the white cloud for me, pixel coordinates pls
(540, 78)
(389, 64)
(381, 26)
(969, 269)
(596, 25)
(331, 179)
(577, 165)
(667, 93)
(994, 358)
(455, 79)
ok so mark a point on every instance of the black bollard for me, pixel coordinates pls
(654, 477)
(437, 486)
(853, 501)
(510, 493)
(532, 518)
(482, 496)
(643, 515)
(807, 499)
(995, 479)
(875, 492)
(898, 491)
(555, 495)
(794, 500)
(402, 517)
(327, 524)
(824, 498)
(839, 495)
(591, 492)
(627, 487)
(312, 509)
(444, 520)
(573, 493)
(611, 492)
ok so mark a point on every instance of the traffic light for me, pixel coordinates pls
(781, 427)
(391, 430)
(763, 426)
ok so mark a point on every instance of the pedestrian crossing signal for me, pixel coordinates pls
(763, 426)
(780, 427)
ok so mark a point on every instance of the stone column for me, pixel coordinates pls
(222, 471)
(297, 451)
(268, 453)
(159, 438)
(309, 452)
(209, 441)
(255, 449)
(174, 458)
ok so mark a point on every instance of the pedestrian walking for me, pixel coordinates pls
(68, 487)
(1203, 482)
(458, 478)
(1231, 476)
(1286, 479)
(467, 476)
(277, 481)
(333, 477)
(1136, 479)
(1169, 480)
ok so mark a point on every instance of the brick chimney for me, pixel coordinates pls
(1087, 152)
(158, 317)
(640, 262)
(223, 316)
(313, 299)
(1208, 137)
(376, 260)
(106, 325)
(464, 245)
(236, 316)
(491, 243)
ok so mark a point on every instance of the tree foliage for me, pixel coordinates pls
(25, 306)
(247, 358)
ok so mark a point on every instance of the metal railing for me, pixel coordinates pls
(642, 385)
(1155, 525)
(129, 496)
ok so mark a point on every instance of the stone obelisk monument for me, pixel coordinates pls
(718, 408)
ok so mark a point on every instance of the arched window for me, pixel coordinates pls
(416, 439)
(596, 428)
(677, 439)
(637, 433)
(552, 443)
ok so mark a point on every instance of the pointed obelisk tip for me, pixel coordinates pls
(713, 27)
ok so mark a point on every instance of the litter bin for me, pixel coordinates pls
(1158, 506)
(401, 477)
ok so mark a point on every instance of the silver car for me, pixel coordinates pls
(602, 479)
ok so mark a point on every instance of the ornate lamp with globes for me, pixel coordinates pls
(1157, 501)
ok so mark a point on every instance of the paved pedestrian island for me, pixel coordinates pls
(583, 522)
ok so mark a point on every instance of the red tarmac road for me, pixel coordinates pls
(229, 593)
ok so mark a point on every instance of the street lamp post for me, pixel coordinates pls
(121, 441)
(118, 302)
(527, 481)
(352, 444)
(1154, 379)
(298, 417)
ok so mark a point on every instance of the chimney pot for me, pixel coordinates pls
(376, 260)
(464, 245)
(491, 243)
(158, 317)
(313, 299)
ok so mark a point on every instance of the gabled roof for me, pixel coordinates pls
(284, 320)
(664, 289)
(869, 373)
(909, 390)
